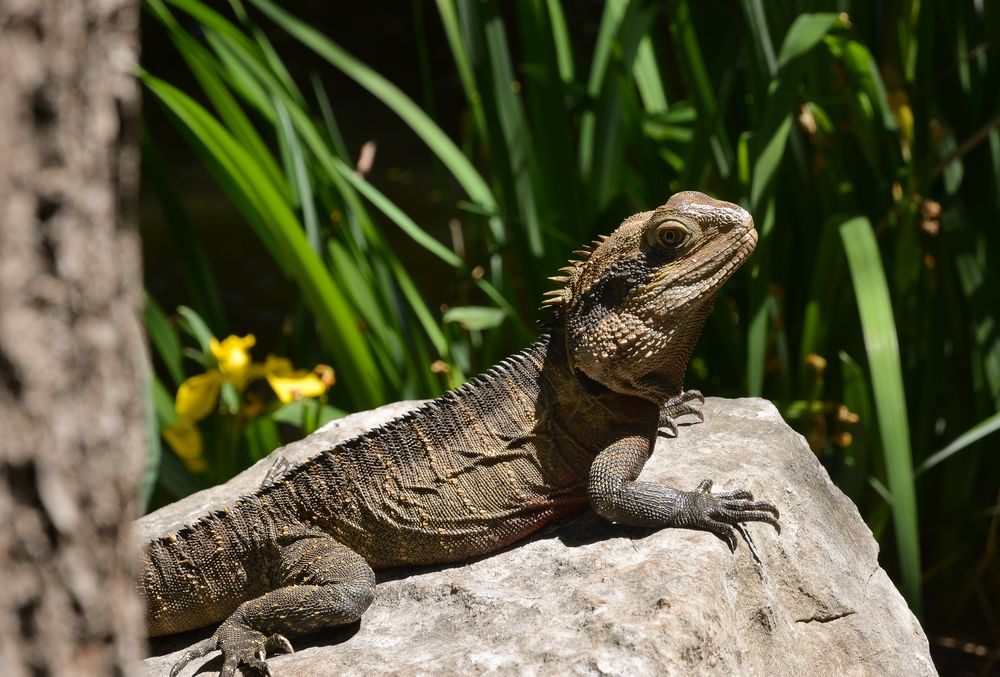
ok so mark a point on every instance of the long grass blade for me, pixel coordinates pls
(969, 437)
(459, 52)
(614, 13)
(339, 323)
(300, 173)
(517, 139)
(871, 293)
(561, 41)
(164, 340)
(425, 128)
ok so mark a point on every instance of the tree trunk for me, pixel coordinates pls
(72, 361)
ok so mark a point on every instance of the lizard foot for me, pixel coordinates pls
(240, 645)
(718, 513)
(688, 402)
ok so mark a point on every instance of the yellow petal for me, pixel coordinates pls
(185, 439)
(197, 396)
(278, 366)
(296, 386)
(233, 356)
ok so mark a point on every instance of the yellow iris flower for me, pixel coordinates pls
(198, 396)
(233, 357)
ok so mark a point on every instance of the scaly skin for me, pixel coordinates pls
(567, 422)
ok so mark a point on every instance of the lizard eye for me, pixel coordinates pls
(671, 234)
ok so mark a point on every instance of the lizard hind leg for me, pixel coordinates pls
(319, 583)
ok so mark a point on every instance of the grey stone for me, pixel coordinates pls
(590, 598)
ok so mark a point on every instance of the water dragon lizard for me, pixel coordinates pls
(565, 423)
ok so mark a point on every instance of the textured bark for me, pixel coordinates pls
(71, 355)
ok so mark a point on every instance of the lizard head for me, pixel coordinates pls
(632, 308)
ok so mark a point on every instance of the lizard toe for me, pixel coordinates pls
(667, 423)
(197, 651)
(688, 402)
(277, 644)
(721, 529)
(241, 647)
(739, 494)
(719, 513)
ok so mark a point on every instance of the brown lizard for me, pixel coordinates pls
(567, 422)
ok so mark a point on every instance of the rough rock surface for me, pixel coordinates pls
(587, 597)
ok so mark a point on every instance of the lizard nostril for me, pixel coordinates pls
(733, 216)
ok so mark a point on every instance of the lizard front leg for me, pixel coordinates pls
(616, 495)
(321, 584)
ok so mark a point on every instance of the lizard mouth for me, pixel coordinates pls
(722, 265)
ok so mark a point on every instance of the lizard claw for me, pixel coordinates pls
(687, 402)
(197, 651)
(669, 423)
(240, 646)
(719, 513)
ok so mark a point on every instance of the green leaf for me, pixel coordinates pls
(196, 327)
(338, 323)
(969, 437)
(164, 339)
(293, 413)
(154, 450)
(611, 18)
(769, 160)
(712, 141)
(207, 70)
(262, 437)
(163, 403)
(561, 41)
(397, 215)
(518, 144)
(761, 305)
(806, 32)
(445, 149)
(474, 318)
(865, 73)
(647, 77)
(450, 21)
(871, 293)
(301, 174)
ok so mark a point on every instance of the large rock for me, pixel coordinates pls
(588, 597)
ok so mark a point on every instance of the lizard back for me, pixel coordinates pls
(476, 469)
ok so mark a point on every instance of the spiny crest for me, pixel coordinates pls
(561, 296)
(186, 531)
